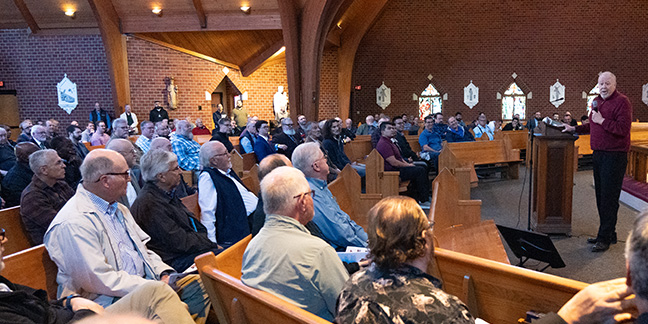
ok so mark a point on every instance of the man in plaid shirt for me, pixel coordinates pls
(185, 147)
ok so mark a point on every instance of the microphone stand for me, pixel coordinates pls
(530, 166)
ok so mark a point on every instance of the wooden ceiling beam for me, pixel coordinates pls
(202, 18)
(24, 11)
(257, 61)
(115, 46)
(265, 20)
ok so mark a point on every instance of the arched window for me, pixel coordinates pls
(513, 102)
(591, 96)
(430, 101)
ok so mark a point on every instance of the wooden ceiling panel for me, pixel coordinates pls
(226, 5)
(142, 8)
(10, 16)
(51, 13)
(236, 47)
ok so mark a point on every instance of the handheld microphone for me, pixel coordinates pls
(595, 105)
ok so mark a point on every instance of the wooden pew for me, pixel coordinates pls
(348, 194)
(230, 261)
(188, 177)
(242, 163)
(413, 141)
(236, 303)
(96, 147)
(448, 160)
(447, 208)
(32, 267)
(251, 180)
(11, 221)
(359, 148)
(191, 202)
(202, 139)
(379, 181)
(497, 292)
(482, 153)
(518, 138)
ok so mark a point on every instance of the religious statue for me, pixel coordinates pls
(172, 92)
(280, 103)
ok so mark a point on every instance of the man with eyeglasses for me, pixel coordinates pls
(148, 133)
(262, 146)
(100, 250)
(185, 147)
(287, 137)
(284, 259)
(127, 150)
(221, 133)
(45, 195)
(39, 136)
(225, 202)
(336, 226)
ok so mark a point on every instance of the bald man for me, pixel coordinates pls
(161, 143)
(127, 150)
(609, 129)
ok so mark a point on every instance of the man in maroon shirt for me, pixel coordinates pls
(419, 187)
(609, 129)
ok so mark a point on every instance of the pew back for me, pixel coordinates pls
(12, 223)
(357, 149)
(33, 268)
(251, 179)
(346, 189)
(379, 181)
(191, 202)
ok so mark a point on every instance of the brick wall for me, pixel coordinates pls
(149, 64)
(486, 41)
(33, 65)
(328, 105)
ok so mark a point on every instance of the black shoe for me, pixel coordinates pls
(593, 240)
(600, 247)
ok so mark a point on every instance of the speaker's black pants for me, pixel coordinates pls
(609, 169)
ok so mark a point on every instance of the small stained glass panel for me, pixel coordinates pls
(430, 90)
(430, 101)
(513, 102)
(513, 89)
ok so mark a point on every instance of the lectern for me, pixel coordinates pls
(553, 180)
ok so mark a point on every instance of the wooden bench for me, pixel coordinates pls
(33, 268)
(413, 141)
(346, 189)
(242, 163)
(251, 180)
(447, 207)
(191, 202)
(202, 139)
(94, 147)
(497, 292)
(471, 154)
(18, 237)
(359, 148)
(379, 181)
(236, 303)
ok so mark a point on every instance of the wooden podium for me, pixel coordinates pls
(553, 180)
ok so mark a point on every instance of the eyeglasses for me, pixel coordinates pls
(311, 193)
(431, 223)
(222, 154)
(125, 174)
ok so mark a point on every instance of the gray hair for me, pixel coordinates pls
(118, 121)
(36, 127)
(207, 150)
(305, 155)
(146, 122)
(23, 124)
(40, 159)
(279, 187)
(310, 125)
(636, 251)
(94, 167)
(155, 162)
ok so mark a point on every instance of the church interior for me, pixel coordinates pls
(328, 57)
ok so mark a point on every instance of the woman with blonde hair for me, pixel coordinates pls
(394, 288)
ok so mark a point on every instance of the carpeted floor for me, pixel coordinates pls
(501, 202)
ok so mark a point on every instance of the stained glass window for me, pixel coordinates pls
(429, 102)
(591, 96)
(513, 102)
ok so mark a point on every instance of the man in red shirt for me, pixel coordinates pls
(609, 129)
(200, 128)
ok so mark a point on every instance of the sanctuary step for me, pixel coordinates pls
(635, 193)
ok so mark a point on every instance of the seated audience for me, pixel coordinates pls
(221, 134)
(419, 186)
(555, 116)
(513, 125)
(375, 136)
(52, 128)
(247, 138)
(584, 119)
(176, 235)
(273, 161)
(25, 131)
(368, 127)
(22, 304)
(148, 133)
(395, 288)
(302, 122)
(288, 138)
(65, 150)
(262, 146)
(567, 119)
(350, 127)
(130, 118)
(8, 130)
(161, 143)
(235, 130)
(126, 149)
(39, 136)
(7, 154)
(45, 195)
(458, 133)
(19, 176)
(74, 134)
(406, 150)
(86, 135)
(162, 129)
(284, 258)
(439, 127)
(225, 202)
(336, 225)
(534, 121)
(101, 252)
(334, 145)
(482, 128)
(459, 118)
(100, 137)
(120, 128)
(431, 141)
(185, 147)
(200, 128)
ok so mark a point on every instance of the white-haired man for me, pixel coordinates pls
(287, 137)
(25, 131)
(185, 147)
(284, 258)
(100, 250)
(336, 226)
(39, 136)
(225, 202)
(119, 128)
(368, 127)
(131, 119)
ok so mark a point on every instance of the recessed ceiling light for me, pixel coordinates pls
(245, 9)
(157, 11)
(70, 12)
